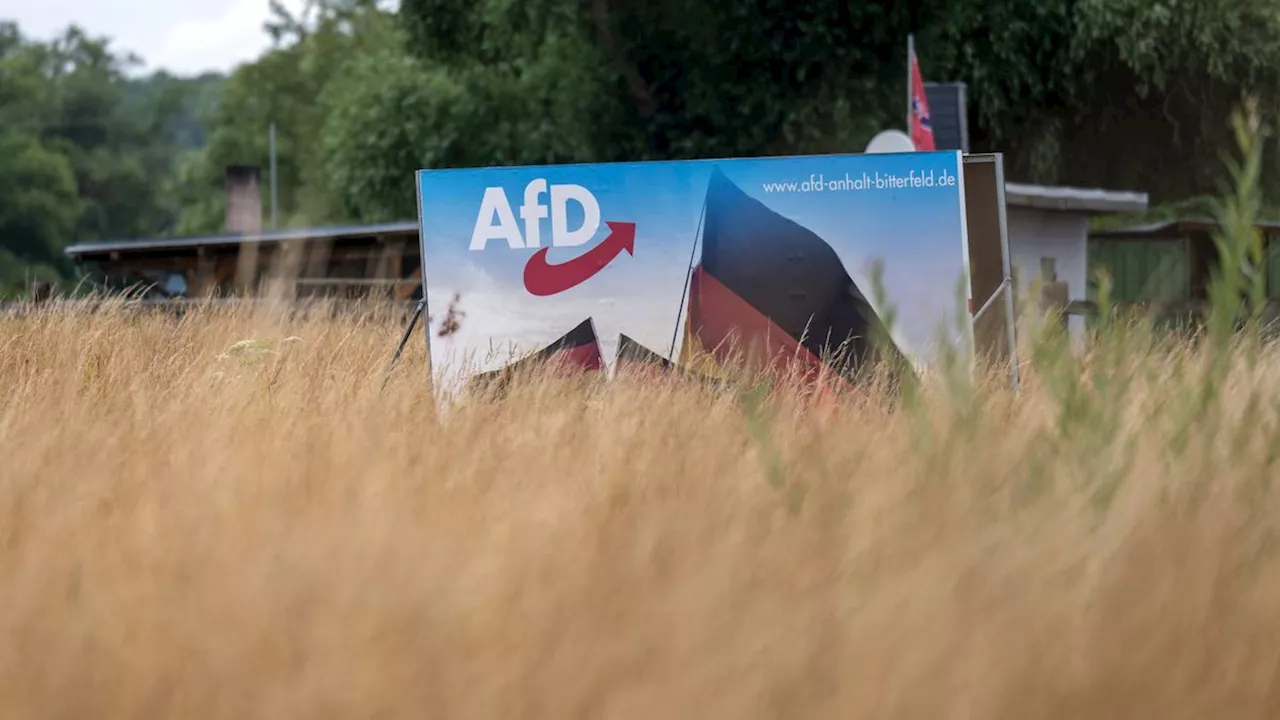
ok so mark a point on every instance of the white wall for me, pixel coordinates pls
(1063, 236)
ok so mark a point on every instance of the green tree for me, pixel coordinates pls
(115, 152)
(283, 86)
(1118, 93)
(89, 153)
(530, 96)
(1112, 93)
(38, 210)
(682, 79)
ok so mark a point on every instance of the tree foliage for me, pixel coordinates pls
(85, 152)
(38, 209)
(282, 87)
(1116, 93)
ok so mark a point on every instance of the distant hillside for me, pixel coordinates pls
(192, 99)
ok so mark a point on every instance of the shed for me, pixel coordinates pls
(340, 261)
(1171, 260)
(1049, 233)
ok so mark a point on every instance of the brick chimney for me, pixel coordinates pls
(244, 216)
(244, 199)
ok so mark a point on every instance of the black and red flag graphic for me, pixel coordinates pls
(770, 290)
(636, 360)
(574, 353)
(634, 356)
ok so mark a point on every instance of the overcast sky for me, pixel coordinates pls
(184, 37)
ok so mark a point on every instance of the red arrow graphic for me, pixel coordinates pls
(542, 278)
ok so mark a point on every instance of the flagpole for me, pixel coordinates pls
(911, 53)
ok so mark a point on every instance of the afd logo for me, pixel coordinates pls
(496, 221)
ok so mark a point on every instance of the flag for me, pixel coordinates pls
(777, 293)
(574, 353)
(637, 361)
(918, 119)
(634, 356)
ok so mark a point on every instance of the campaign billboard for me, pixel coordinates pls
(688, 258)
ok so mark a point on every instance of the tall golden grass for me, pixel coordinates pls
(226, 515)
(196, 526)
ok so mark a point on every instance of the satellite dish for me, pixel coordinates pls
(891, 141)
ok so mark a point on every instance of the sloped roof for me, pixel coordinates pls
(1056, 197)
(85, 250)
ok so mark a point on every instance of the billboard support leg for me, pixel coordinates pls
(1004, 286)
(404, 339)
(1005, 290)
(1011, 320)
(1011, 317)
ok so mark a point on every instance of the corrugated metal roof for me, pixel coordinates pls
(323, 233)
(1071, 198)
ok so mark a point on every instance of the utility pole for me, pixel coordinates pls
(272, 144)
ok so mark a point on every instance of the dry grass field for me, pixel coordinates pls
(196, 527)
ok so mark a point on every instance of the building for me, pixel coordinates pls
(342, 261)
(345, 261)
(1048, 230)
(1172, 261)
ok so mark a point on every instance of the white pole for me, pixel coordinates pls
(1006, 267)
(911, 53)
(272, 143)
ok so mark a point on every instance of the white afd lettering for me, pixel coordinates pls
(496, 221)
(495, 203)
(561, 235)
